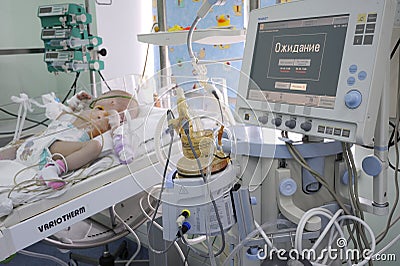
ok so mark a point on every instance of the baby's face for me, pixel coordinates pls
(99, 121)
(118, 104)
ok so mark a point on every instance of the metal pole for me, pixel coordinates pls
(254, 4)
(92, 74)
(162, 24)
(380, 201)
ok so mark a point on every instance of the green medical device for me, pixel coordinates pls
(71, 61)
(68, 45)
(63, 15)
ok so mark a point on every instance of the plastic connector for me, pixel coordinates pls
(182, 217)
(183, 229)
(185, 127)
(170, 117)
(214, 92)
(185, 213)
(180, 220)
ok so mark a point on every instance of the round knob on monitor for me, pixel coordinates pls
(82, 18)
(95, 66)
(353, 99)
(372, 165)
(277, 121)
(102, 52)
(287, 187)
(290, 123)
(94, 41)
(306, 126)
(263, 119)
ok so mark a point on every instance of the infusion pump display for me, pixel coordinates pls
(317, 67)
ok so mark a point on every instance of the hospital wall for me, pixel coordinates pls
(119, 25)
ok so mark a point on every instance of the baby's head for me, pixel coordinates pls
(118, 100)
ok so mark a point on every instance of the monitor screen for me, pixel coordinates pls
(298, 61)
(47, 33)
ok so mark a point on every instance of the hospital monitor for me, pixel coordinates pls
(317, 67)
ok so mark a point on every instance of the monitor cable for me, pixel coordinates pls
(221, 249)
(170, 116)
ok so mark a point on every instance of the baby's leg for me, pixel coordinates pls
(77, 154)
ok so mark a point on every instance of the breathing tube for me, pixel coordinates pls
(93, 103)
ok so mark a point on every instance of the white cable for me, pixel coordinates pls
(302, 221)
(139, 245)
(157, 140)
(389, 245)
(305, 218)
(88, 231)
(332, 236)
(310, 213)
(249, 237)
(42, 256)
(326, 229)
(371, 233)
(264, 235)
(194, 241)
(189, 40)
(154, 188)
(178, 248)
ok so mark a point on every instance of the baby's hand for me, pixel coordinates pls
(123, 149)
(79, 101)
(83, 95)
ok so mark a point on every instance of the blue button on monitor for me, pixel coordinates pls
(372, 165)
(287, 187)
(351, 81)
(353, 99)
(353, 69)
(362, 75)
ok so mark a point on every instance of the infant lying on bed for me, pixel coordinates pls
(68, 144)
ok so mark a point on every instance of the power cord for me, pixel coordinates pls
(156, 29)
(214, 92)
(73, 87)
(104, 80)
(395, 48)
(170, 116)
